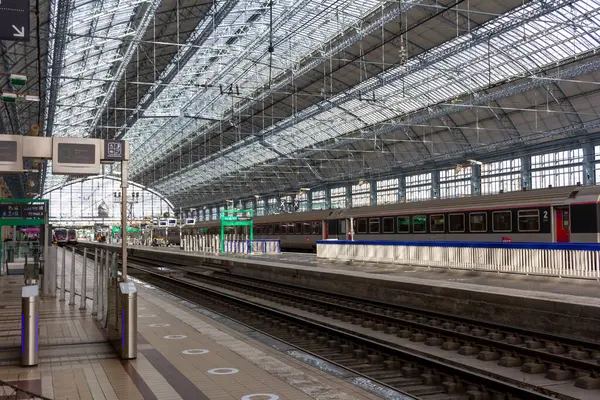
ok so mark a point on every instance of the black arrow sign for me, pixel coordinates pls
(14, 20)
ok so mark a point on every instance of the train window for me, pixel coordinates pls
(270, 229)
(456, 222)
(291, 229)
(298, 228)
(529, 220)
(361, 225)
(277, 230)
(342, 227)
(419, 223)
(316, 228)
(373, 225)
(478, 222)
(403, 224)
(306, 228)
(283, 229)
(565, 219)
(436, 223)
(388, 224)
(502, 221)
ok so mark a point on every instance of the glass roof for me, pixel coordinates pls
(95, 35)
(521, 42)
(236, 53)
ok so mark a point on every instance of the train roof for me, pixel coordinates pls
(538, 197)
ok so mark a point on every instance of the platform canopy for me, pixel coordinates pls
(222, 99)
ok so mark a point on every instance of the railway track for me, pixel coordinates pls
(543, 364)
(401, 369)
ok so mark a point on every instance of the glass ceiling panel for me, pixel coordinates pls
(536, 44)
(300, 28)
(93, 40)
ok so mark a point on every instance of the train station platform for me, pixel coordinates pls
(564, 306)
(183, 353)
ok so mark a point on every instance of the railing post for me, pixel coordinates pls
(53, 251)
(95, 287)
(72, 286)
(101, 285)
(83, 290)
(64, 271)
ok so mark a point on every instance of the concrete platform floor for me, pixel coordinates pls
(182, 354)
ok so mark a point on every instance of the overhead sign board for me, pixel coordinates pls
(11, 152)
(14, 20)
(114, 150)
(76, 156)
(22, 210)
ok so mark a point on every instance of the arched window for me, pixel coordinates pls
(98, 200)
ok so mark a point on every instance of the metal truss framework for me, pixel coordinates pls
(469, 55)
(261, 96)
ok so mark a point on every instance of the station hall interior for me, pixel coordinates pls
(299, 199)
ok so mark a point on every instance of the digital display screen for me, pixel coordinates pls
(73, 153)
(32, 211)
(10, 210)
(8, 151)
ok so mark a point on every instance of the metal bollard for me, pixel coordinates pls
(95, 287)
(29, 326)
(62, 277)
(82, 292)
(72, 283)
(128, 328)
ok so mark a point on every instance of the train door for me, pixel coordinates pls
(562, 228)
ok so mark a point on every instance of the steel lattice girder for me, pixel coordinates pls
(442, 110)
(522, 16)
(315, 61)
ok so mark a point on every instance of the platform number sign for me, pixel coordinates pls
(114, 150)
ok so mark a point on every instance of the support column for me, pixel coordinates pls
(124, 184)
(589, 170)
(435, 184)
(475, 180)
(525, 173)
(373, 193)
(348, 196)
(327, 197)
(401, 189)
(277, 204)
(309, 201)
